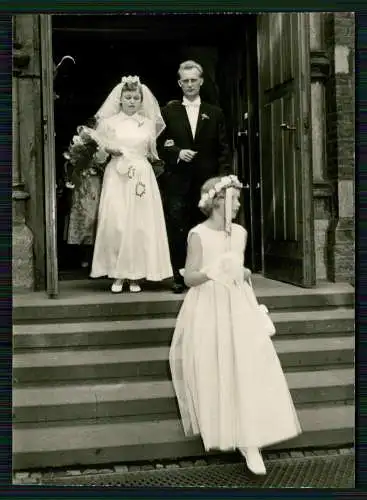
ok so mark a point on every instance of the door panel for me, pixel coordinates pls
(286, 168)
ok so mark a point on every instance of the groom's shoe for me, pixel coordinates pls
(178, 285)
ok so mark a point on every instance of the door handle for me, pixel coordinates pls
(242, 133)
(258, 185)
(285, 126)
(247, 186)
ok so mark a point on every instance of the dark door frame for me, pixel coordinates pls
(52, 281)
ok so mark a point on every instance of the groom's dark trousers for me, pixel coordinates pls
(181, 182)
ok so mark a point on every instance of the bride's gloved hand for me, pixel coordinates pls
(114, 151)
(151, 158)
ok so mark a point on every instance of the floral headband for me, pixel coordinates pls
(229, 181)
(130, 80)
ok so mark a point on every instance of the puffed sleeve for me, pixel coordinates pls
(152, 145)
(105, 134)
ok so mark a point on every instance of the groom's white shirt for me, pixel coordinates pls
(192, 110)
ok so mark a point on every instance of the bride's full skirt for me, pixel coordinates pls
(131, 240)
(227, 376)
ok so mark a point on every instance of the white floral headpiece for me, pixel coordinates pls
(226, 182)
(130, 80)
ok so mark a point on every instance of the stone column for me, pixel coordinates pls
(22, 258)
(322, 189)
(28, 168)
(341, 142)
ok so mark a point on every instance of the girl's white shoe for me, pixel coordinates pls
(134, 288)
(254, 460)
(117, 286)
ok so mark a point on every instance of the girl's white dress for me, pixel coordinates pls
(131, 240)
(227, 376)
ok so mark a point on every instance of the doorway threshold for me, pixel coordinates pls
(97, 291)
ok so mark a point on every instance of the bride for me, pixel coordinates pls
(131, 239)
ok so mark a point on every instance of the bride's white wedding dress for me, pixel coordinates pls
(131, 240)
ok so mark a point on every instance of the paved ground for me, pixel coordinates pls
(294, 469)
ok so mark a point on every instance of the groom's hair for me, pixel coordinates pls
(190, 65)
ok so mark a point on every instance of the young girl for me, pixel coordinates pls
(227, 376)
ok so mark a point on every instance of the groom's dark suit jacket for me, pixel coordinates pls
(210, 141)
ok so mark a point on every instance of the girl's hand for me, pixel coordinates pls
(246, 274)
(230, 264)
(215, 273)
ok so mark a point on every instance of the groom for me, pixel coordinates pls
(194, 148)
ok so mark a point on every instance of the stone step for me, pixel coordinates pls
(88, 304)
(57, 365)
(107, 400)
(159, 330)
(92, 444)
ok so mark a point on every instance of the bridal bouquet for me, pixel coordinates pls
(84, 157)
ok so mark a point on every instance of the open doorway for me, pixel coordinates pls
(106, 47)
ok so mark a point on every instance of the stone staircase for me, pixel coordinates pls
(92, 383)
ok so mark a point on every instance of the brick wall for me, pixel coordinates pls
(340, 106)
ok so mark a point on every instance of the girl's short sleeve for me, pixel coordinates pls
(192, 231)
(241, 236)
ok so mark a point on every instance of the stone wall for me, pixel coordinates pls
(340, 111)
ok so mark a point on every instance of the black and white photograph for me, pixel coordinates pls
(183, 191)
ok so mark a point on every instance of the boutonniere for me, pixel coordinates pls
(204, 116)
(169, 143)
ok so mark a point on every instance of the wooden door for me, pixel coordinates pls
(251, 127)
(246, 150)
(239, 103)
(286, 166)
(49, 154)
